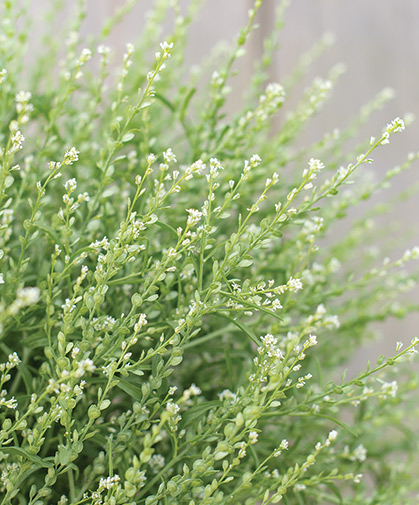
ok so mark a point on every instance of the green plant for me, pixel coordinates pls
(171, 331)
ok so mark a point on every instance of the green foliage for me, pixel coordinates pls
(171, 330)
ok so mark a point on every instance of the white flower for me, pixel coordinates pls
(360, 453)
(3, 74)
(85, 365)
(166, 46)
(253, 437)
(70, 185)
(274, 91)
(156, 463)
(70, 156)
(226, 394)
(311, 341)
(255, 160)
(109, 482)
(294, 284)
(28, 296)
(193, 390)
(23, 96)
(194, 216)
(17, 141)
(75, 352)
(172, 408)
(242, 451)
(276, 304)
(397, 125)
(85, 55)
(315, 165)
(142, 321)
(104, 50)
(10, 404)
(269, 340)
(389, 389)
(198, 166)
(169, 156)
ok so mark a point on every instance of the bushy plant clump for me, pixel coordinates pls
(171, 331)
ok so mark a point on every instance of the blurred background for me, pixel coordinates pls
(379, 44)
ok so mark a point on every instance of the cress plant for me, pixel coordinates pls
(176, 309)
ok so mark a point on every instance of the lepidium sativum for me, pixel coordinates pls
(176, 307)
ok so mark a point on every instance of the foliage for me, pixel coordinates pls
(171, 330)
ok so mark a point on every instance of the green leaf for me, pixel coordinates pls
(130, 389)
(105, 404)
(339, 423)
(245, 329)
(167, 227)
(199, 410)
(335, 491)
(64, 455)
(229, 365)
(186, 101)
(19, 451)
(127, 137)
(35, 341)
(165, 101)
(245, 263)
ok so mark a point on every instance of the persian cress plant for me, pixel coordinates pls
(171, 332)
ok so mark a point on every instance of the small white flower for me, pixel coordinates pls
(360, 453)
(83, 366)
(255, 160)
(172, 408)
(315, 165)
(397, 125)
(17, 141)
(3, 75)
(28, 296)
(253, 437)
(193, 390)
(70, 156)
(130, 48)
(294, 285)
(142, 321)
(70, 185)
(389, 389)
(104, 50)
(23, 96)
(357, 478)
(311, 341)
(194, 216)
(85, 56)
(166, 46)
(169, 156)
